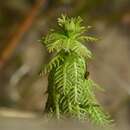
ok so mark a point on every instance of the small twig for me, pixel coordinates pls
(23, 28)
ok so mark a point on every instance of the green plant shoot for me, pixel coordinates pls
(70, 90)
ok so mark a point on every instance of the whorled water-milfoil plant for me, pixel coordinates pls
(70, 90)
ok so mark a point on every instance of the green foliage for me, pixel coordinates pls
(70, 92)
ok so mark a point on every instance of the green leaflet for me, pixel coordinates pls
(70, 93)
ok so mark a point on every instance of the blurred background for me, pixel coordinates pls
(24, 22)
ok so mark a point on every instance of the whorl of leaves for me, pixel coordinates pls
(70, 93)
